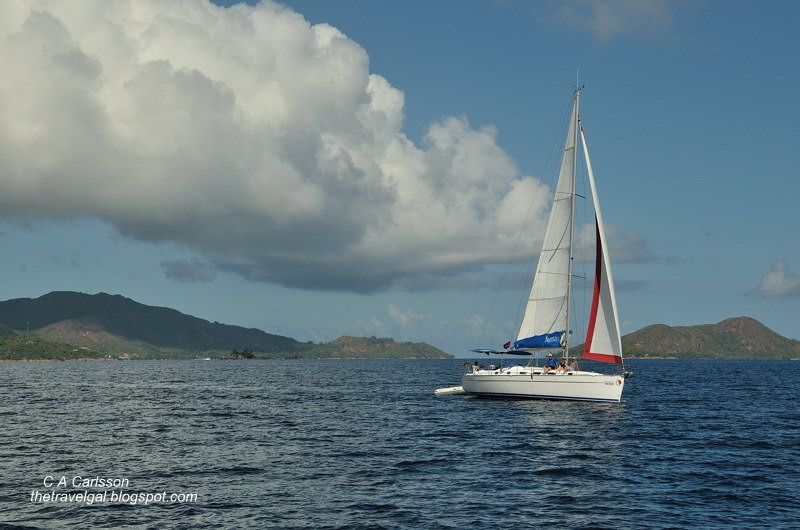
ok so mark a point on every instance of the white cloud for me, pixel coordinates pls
(259, 142)
(402, 318)
(780, 281)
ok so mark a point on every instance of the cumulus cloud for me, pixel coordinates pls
(779, 282)
(402, 318)
(608, 19)
(249, 136)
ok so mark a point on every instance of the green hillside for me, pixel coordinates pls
(85, 333)
(734, 338)
(26, 347)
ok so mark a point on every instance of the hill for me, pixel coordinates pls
(372, 347)
(15, 347)
(114, 325)
(734, 338)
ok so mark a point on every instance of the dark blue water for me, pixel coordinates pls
(335, 444)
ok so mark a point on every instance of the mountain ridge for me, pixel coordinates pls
(121, 327)
(159, 326)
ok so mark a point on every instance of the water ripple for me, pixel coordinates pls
(343, 444)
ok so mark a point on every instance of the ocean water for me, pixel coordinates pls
(366, 444)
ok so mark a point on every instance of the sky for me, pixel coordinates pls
(317, 169)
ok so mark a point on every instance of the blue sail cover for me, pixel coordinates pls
(547, 340)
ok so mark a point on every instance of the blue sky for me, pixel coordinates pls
(318, 169)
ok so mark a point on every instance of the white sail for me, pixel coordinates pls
(548, 304)
(603, 342)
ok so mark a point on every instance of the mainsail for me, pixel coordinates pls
(547, 310)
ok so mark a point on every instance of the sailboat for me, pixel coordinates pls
(546, 322)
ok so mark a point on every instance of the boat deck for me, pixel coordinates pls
(527, 370)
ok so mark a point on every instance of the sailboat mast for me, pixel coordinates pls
(574, 169)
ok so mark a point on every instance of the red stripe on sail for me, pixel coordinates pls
(603, 357)
(598, 261)
(598, 274)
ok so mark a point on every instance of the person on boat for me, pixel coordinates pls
(562, 367)
(575, 365)
(550, 364)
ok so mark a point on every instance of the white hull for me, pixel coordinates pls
(525, 382)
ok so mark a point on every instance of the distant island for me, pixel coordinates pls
(69, 325)
(734, 338)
